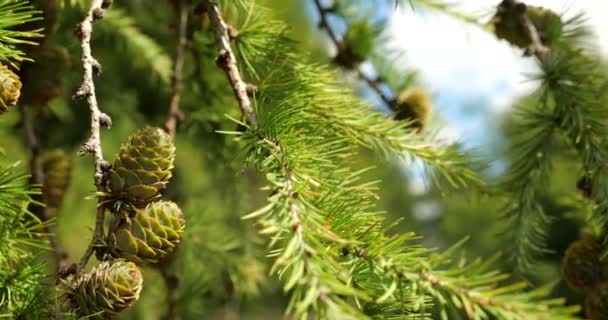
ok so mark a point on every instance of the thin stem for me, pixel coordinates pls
(174, 115)
(38, 178)
(537, 47)
(171, 284)
(374, 84)
(93, 144)
(97, 236)
(305, 252)
(227, 61)
(232, 309)
(324, 24)
(295, 213)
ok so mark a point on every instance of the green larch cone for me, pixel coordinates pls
(508, 25)
(582, 268)
(10, 88)
(143, 167)
(414, 105)
(596, 304)
(548, 24)
(108, 289)
(57, 169)
(357, 45)
(147, 235)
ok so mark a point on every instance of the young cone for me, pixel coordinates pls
(150, 235)
(357, 45)
(581, 267)
(57, 176)
(414, 105)
(10, 88)
(107, 290)
(509, 26)
(142, 168)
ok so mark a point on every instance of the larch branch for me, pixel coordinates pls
(227, 61)
(174, 115)
(38, 178)
(98, 119)
(171, 284)
(374, 84)
(537, 48)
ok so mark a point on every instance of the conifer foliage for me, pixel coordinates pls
(166, 245)
(569, 106)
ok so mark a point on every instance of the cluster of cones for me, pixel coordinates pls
(145, 229)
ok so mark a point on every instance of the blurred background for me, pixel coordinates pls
(474, 80)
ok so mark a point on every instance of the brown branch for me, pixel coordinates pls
(37, 178)
(174, 115)
(537, 47)
(324, 24)
(374, 84)
(98, 119)
(171, 284)
(227, 61)
(232, 309)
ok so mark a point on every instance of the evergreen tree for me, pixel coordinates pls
(244, 183)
